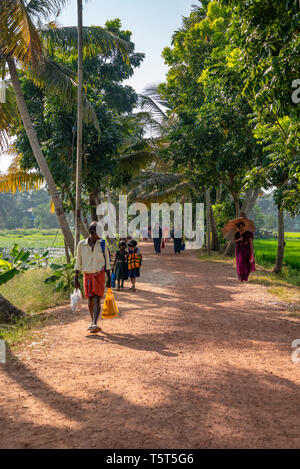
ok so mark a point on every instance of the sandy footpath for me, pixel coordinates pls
(195, 360)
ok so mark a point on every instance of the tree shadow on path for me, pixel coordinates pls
(144, 342)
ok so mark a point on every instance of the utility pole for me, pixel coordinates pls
(79, 127)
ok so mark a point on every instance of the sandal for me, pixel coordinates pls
(95, 329)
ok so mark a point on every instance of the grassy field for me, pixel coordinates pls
(28, 292)
(32, 239)
(266, 250)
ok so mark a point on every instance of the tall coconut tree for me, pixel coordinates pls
(20, 41)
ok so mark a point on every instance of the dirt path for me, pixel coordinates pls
(195, 360)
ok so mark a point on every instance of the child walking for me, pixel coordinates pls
(134, 260)
(120, 267)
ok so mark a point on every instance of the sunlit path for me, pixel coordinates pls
(194, 360)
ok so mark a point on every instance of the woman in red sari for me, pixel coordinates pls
(244, 252)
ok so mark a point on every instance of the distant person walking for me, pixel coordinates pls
(176, 234)
(93, 260)
(157, 237)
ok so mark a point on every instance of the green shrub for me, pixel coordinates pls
(28, 291)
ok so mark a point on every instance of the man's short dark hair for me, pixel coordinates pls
(93, 227)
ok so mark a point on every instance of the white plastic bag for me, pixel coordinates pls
(76, 301)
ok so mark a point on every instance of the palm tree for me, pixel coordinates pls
(20, 40)
(20, 180)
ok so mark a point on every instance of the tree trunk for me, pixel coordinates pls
(93, 206)
(237, 207)
(79, 128)
(219, 193)
(215, 240)
(83, 230)
(230, 248)
(252, 202)
(208, 229)
(8, 312)
(59, 210)
(281, 243)
(246, 201)
(249, 201)
(86, 223)
(67, 252)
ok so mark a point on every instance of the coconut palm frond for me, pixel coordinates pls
(159, 142)
(137, 145)
(134, 162)
(148, 103)
(9, 115)
(19, 38)
(42, 9)
(95, 40)
(151, 101)
(166, 194)
(129, 122)
(153, 94)
(20, 180)
(149, 181)
(56, 78)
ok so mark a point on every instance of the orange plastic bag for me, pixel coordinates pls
(110, 309)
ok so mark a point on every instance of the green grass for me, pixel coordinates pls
(32, 239)
(288, 235)
(28, 292)
(25, 329)
(266, 251)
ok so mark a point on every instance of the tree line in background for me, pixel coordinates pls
(27, 210)
(220, 129)
(32, 209)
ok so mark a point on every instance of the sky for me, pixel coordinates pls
(152, 23)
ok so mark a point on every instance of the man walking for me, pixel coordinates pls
(93, 260)
(157, 237)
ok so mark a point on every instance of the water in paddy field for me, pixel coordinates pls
(54, 253)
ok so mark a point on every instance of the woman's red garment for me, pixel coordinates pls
(243, 256)
(94, 284)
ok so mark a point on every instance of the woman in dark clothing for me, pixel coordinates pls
(120, 267)
(244, 252)
(157, 241)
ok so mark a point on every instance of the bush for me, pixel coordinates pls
(28, 291)
(223, 212)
